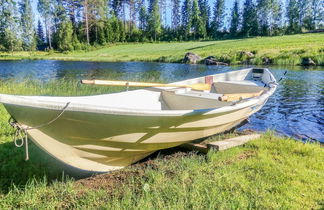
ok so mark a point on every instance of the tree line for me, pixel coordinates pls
(67, 25)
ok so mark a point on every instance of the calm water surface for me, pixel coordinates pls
(296, 109)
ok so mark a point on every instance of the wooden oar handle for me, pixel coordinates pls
(238, 96)
(197, 86)
(88, 82)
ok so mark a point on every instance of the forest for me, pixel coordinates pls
(67, 25)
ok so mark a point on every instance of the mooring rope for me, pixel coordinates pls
(21, 131)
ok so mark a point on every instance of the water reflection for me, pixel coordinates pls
(296, 109)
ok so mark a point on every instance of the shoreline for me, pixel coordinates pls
(152, 61)
(289, 50)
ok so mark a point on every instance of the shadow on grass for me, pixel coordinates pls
(199, 47)
(15, 171)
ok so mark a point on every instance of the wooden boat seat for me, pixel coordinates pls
(184, 99)
(243, 86)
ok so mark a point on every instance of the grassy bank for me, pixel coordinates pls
(270, 172)
(281, 50)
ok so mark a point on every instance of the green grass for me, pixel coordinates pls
(281, 50)
(268, 173)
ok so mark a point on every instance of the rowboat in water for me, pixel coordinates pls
(106, 132)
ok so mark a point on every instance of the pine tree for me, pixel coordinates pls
(45, 8)
(235, 21)
(27, 23)
(176, 18)
(163, 10)
(250, 25)
(65, 36)
(154, 20)
(218, 19)
(186, 18)
(122, 31)
(113, 29)
(205, 14)
(143, 16)
(86, 19)
(278, 21)
(94, 13)
(199, 29)
(40, 34)
(134, 8)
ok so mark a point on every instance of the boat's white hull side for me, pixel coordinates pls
(104, 142)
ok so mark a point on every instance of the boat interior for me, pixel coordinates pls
(248, 81)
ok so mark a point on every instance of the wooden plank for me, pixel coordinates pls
(195, 147)
(232, 142)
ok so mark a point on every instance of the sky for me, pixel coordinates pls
(228, 6)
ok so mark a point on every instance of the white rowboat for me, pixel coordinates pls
(107, 132)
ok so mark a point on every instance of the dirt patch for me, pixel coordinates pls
(110, 180)
(132, 175)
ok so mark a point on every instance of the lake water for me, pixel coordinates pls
(296, 109)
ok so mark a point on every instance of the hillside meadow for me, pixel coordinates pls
(278, 50)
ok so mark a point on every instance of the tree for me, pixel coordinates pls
(132, 14)
(59, 14)
(27, 24)
(218, 19)
(45, 8)
(94, 13)
(154, 20)
(317, 10)
(293, 17)
(250, 25)
(176, 18)
(186, 18)
(143, 17)
(268, 11)
(205, 14)
(86, 19)
(9, 27)
(65, 36)
(235, 21)
(72, 8)
(163, 10)
(199, 28)
(116, 6)
(311, 12)
(40, 34)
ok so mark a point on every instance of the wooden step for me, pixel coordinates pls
(221, 145)
(232, 142)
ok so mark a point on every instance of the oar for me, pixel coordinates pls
(238, 96)
(197, 86)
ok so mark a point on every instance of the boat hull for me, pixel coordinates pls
(108, 132)
(104, 142)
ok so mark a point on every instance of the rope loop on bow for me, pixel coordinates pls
(21, 131)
